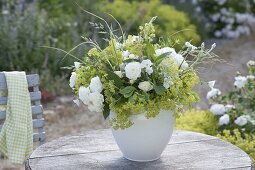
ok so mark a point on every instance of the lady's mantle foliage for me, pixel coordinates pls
(135, 75)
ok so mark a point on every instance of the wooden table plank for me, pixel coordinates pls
(97, 150)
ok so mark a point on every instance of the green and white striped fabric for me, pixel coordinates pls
(16, 136)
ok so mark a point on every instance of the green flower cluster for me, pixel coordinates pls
(134, 75)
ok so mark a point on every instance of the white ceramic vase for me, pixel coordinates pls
(146, 139)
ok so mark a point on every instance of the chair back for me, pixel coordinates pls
(37, 109)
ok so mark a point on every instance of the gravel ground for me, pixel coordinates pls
(64, 118)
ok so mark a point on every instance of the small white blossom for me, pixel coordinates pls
(241, 121)
(125, 54)
(213, 92)
(224, 120)
(133, 70)
(118, 73)
(250, 63)
(145, 86)
(167, 82)
(218, 109)
(118, 46)
(77, 65)
(96, 101)
(190, 46)
(84, 94)
(147, 65)
(96, 85)
(132, 56)
(240, 81)
(72, 80)
(136, 39)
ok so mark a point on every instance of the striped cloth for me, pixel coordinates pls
(16, 136)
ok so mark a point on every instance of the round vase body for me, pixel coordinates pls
(146, 139)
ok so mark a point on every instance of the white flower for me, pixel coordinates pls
(218, 109)
(250, 77)
(240, 81)
(118, 73)
(133, 70)
(84, 94)
(72, 80)
(229, 107)
(125, 54)
(190, 46)
(145, 86)
(164, 50)
(179, 60)
(96, 101)
(147, 65)
(250, 63)
(167, 82)
(132, 56)
(241, 121)
(224, 120)
(96, 85)
(77, 65)
(118, 45)
(77, 102)
(136, 39)
(213, 92)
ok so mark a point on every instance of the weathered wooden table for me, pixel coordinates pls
(97, 150)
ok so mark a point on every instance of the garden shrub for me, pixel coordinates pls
(198, 121)
(131, 14)
(203, 121)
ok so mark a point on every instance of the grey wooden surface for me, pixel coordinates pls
(96, 150)
(37, 109)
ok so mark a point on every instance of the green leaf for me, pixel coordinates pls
(149, 49)
(106, 110)
(159, 89)
(160, 58)
(127, 90)
(117, 80)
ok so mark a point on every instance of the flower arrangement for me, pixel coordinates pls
(236, 110)
(136, 74)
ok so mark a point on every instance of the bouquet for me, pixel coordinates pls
(137, 74)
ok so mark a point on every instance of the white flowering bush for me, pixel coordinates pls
(136, 74)
(236, 110)
(226, 18)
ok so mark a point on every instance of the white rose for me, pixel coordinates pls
(240, 81)
(165, 50)
(72, 80)
(179, 60)
(145, 86)
(77, 65)
(96, 101)
(125, 54)
(218, 109)
(241, 121)
(250, 63)
(224, 120)
(250, 77)
(118, 73)
(96, 85)
(84, 94)
(133, 70)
